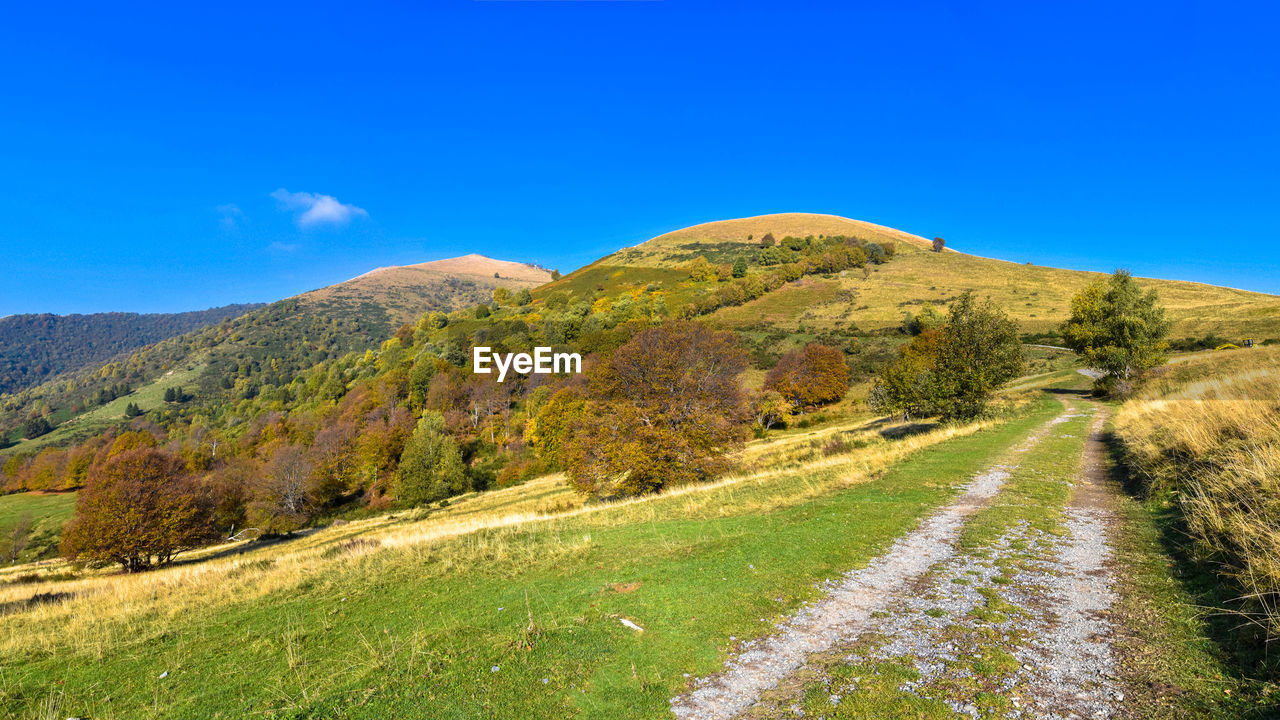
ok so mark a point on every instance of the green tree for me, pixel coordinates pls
(952, 371)
(35, 427)
(482, 312)
(555, 275)
(927, 319)
(424, 368)
(1118, 329)
(524, 297)
(979, 352)
(431, 466)
(740, 267)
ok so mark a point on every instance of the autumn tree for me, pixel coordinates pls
(810, 376)
(768, 409)
(768, 241)
(664, 409)
(17, 538)
(281, 501)
(939, 244)
(137, 510)
(1118, 329)
(700, 269)
(229, 489)
(501, 297)
(550, 430)
(431, 467)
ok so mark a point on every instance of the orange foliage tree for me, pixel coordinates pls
(664, 409)
(813, 375)
(137, 510)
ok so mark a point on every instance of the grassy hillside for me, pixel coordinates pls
(48, 512)
(1203, 440)
(1036, 297)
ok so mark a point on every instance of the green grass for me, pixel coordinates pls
(397, 633)
(48, 511)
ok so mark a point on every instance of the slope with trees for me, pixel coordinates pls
(34, 348)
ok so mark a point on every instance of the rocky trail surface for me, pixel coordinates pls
(994, 606)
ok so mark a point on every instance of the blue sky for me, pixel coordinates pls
(162, 158)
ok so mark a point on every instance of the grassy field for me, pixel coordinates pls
(510, 603)
(489, 611)
(48, 512)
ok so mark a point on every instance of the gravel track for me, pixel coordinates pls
(847, 609)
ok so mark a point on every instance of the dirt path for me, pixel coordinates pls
(1014, 629)
(846, 610)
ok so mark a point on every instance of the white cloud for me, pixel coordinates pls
(316, 210)
(230, 216)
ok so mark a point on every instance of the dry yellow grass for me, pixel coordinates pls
(1037, 297)
(475, 266)
(1207, 435)
(781, 225)
(94, 614)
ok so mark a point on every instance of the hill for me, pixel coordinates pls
(36, 347)
(391, 296)
(261, 351)
(1037, 297)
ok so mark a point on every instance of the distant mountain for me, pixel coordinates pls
(262, 351)
(34, 348)
(391, 296)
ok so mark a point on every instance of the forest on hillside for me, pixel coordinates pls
(36, 347)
